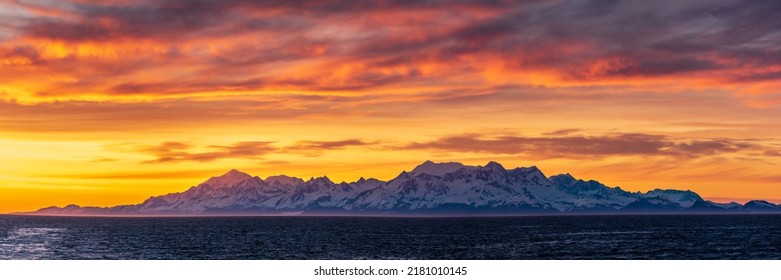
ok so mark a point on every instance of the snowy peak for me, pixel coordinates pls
(231, 178)
(320, 180)
(495, 166)
(437, 169)
(284, 180)
(563, 180)
(682, 198)
(526, 172)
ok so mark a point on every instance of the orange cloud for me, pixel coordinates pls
(100, 50)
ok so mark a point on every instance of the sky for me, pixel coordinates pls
(111, 102)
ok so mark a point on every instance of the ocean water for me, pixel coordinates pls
(547, 237)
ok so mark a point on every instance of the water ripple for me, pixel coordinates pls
(578, 237)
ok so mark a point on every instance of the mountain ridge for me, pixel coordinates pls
(449, 188)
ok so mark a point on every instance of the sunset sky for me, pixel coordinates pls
(110, 102)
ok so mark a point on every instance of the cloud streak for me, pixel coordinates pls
(546, 147)
(326, 145)
(169, 152)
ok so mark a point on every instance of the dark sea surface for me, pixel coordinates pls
(546, 237)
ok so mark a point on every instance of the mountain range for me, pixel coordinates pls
(429, 189)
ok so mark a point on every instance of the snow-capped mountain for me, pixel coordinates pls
(439, 169)
(430, 188)
(683, 199)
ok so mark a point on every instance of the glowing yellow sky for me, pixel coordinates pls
(110, 102)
